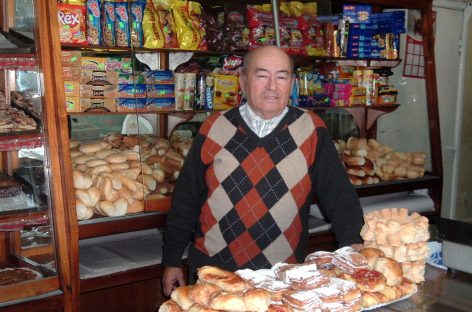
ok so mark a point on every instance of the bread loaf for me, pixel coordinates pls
(81, 181)
(83, 212)
(89, 197)
(90, 148)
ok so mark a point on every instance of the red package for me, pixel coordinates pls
(72, 23)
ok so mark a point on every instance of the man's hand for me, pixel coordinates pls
(173, 277)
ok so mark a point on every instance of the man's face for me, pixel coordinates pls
(267, 82)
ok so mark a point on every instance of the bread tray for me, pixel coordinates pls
(388, 303)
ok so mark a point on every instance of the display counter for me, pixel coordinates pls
(442, 291)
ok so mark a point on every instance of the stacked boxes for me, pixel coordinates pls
(148, 91)
(372, 35)
(71, 61)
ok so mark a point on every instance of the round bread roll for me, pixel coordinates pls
(89, 197)
(136, 206)
(170, 306)
(227, 301)
(102, 154)
(390, 269)
(369, 280)
(82, 159)
(90, 148)
(99, 169)
(181, 296)
(81, 181)
(257, 300)
(407, 287)
(202, 294)
(119, 167)
(95, 162)
(112, 209)
(116, 158)
(370, 299)
(74, 154)
(131, 155)
(391, 293)
(73, 144)
(227, 281)
(200, 308)
(83, 212)
(371, 254)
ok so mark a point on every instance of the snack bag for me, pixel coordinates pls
(261, 25)
(214, 28)
(71, 23)
(136, 16)
(188, 37)
(122, 31)
(94, 29)
(166, 23)
(108, 23)
(236, 35)
(198, 20)
(152, 33)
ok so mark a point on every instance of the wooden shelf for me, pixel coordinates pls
(298, 59)
(15, 221)
(428, 181)
(102, 226)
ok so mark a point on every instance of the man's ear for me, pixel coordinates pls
(242, 83)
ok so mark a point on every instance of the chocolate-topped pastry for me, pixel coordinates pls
(9, 187)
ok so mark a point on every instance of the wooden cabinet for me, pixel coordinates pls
(35, 224)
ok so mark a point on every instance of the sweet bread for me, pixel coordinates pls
(371, 254)
(203, 293)
(369, 280)
(228, 301)
(181, 296)
(227, 281)
(348, 260)
(170, 306)
(390, 269)
(322, 259)
(257, 300)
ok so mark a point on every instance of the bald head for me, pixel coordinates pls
(267, 80)
(264, 51)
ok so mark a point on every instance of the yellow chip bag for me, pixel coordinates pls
(187, 36)
(152, 33)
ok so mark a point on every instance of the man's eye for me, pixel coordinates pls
(282, 77)
(261, 76)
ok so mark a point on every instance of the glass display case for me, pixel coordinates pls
(33, 224)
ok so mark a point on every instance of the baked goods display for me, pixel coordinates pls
(369, 162)
(112, 177)
(400, 236)
(10, 276)
(13, 119)
(342, 280)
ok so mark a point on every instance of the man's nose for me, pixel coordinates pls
(271, 83)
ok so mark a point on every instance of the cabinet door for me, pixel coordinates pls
(34, 226)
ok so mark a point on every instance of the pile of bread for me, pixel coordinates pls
(112, 177)
(343, 280)
(369, 162)
(400, 236)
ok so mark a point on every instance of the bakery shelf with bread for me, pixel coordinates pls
(125, 174)
(369, 162)
(343, 280)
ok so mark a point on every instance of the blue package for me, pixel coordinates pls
(357, 13)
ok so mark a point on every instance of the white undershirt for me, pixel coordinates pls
(257, 124)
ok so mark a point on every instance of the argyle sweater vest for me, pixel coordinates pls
(258, 189)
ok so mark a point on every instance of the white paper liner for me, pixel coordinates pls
(387, 303)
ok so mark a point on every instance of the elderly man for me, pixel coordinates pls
(244, 194)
